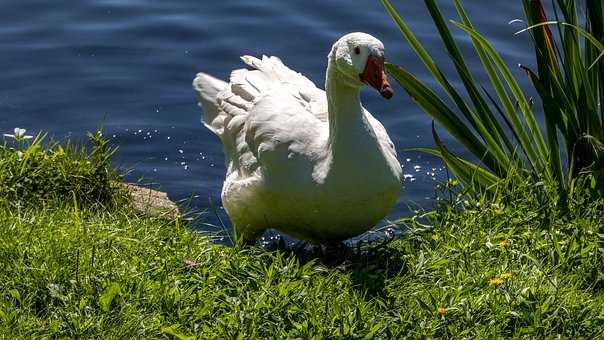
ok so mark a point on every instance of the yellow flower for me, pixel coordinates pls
(441, 310)
(496, 281)
(505, 275)
(503, 243)
(500, 279)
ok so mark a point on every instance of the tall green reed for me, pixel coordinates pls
(503, 130)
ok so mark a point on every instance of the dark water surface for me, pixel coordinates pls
(67, 67)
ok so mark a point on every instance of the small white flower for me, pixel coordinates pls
(20, 155)
(19, 134)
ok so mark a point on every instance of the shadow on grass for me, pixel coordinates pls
(370, 264)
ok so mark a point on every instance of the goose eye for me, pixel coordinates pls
(357, 50)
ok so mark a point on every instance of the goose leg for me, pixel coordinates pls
(249, 237)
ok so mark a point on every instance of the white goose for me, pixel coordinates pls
(311, 163)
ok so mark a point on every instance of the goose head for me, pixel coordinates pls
(359, 60)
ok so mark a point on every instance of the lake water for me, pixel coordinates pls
(67, 67)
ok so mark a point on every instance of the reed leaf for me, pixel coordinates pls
(439, 111)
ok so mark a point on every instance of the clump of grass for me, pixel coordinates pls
(37, 172)
(483, 268)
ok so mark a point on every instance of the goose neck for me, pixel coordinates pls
(344, 107)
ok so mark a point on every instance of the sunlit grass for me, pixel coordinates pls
(480, 269)
(34, 171)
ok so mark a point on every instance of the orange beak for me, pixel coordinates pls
(374, 76)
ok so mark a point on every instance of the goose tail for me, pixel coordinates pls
(207, 88)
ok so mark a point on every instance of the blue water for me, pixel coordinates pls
(68, 67)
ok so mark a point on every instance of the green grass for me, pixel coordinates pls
(42, 171)
(69, 270)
